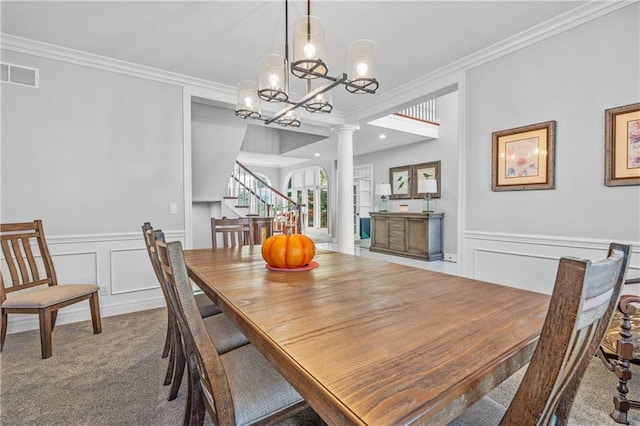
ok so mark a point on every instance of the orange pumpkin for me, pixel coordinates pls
(288, 251)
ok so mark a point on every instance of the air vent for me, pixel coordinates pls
(22, 76)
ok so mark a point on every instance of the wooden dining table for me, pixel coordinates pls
(366, 341)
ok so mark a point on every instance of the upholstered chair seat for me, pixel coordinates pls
(48, 296)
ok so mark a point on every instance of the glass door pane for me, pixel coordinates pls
(310, 207)
(323, 208)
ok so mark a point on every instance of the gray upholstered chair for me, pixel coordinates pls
(239, 387)
(226, 335)
(33, 286)
(206, 306)
(581, 306)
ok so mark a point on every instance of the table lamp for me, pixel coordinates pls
(383, 189)
(427, 187)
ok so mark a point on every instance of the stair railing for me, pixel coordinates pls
(261, 198)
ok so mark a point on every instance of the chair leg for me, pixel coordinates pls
(45, 332)
(167, 340)
(171, 365)
(54, 316)
(3, 332)
(178, 372)
(94, 304)
(624, 350)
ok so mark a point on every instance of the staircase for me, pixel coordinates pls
(248, 195)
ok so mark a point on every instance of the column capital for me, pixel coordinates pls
(346, 128)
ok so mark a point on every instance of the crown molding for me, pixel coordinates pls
(222, 92)
(454, 72)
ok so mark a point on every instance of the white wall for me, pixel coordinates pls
(94, 154)
(216, 137)
(445, 149)
(516, 237)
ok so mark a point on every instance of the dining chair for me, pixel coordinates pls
(30, 267)
(239, 387)
(227, 335)
(620, 348)
(205, 304)
(234, 232)
(579, 313)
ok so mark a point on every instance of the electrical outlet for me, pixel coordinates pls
(104, 290)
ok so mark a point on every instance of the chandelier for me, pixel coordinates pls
(309, 65)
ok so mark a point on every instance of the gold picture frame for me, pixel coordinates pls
(523, 158)
(400, 179)
(423, 171)
(622, 146)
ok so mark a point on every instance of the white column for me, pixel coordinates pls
(345, 188)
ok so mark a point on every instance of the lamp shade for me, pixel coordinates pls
(291, 118)
(273, 83)
(320, 102)
(427, 186)
(308, 48)
(248, 103)
(383, 189)
(361, 69)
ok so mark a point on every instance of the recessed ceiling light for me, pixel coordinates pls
(382, 136)
(317, 154)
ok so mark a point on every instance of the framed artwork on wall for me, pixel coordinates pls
(422, 172)
(622, 146)
(400, 178)
(523, 158)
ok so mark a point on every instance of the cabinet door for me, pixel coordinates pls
(417, 236)
(380, 232)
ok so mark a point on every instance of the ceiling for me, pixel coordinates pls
(224, 41)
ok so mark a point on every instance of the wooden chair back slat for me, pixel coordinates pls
(234, 232)
(31, 260)
(580, 310)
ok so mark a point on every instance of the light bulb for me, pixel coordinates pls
(274, 80)
(362, 69)
(309, 50)
(248, 102)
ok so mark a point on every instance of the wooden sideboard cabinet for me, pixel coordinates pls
(417, 235)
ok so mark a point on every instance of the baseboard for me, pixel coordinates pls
(24, 322)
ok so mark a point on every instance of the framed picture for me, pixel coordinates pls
(422, 172)
(400, 178)
(524, 158)
(622, 146)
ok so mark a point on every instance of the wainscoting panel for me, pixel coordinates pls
(131, 271)
(76, 268)
(530, 262)
(520, 270)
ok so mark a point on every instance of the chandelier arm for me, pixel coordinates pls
(307, 98)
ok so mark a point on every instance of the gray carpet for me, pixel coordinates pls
(115, 378)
